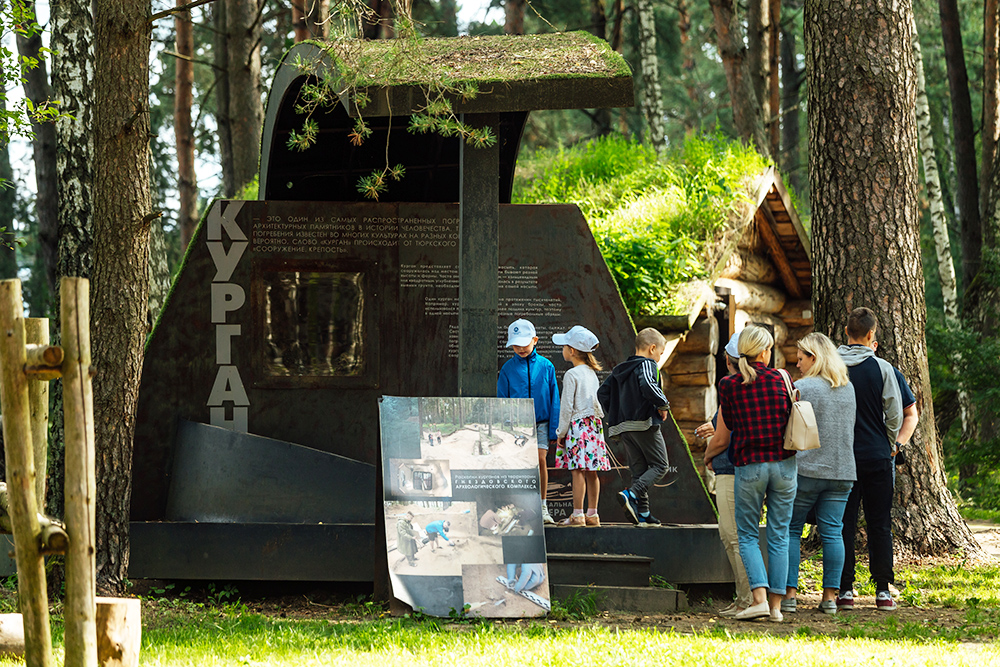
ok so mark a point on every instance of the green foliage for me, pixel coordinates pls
(579, 606)
(654, 220)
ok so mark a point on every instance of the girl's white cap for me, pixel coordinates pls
(578, 338)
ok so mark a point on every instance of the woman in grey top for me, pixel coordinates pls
(827, 474)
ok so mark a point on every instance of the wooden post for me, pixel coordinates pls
(81, 487)
(15, 407)
(119, 632)
(36, 332)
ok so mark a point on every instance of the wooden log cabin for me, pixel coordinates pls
(761, 274)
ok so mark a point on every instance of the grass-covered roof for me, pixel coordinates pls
(484, 74)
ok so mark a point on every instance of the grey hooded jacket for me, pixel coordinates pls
(880, 408)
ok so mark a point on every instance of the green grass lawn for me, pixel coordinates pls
(949, 615)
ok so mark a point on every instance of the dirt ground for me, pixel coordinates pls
(470, 547)
(458, 449)
(485, 595)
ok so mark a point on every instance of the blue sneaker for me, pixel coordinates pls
(648, 521)
(628, 503)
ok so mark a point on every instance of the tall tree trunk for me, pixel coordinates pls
(187, 180)
(299, 20)
(309, 19)
(120, 293)
(939, 225)
(687, 54)
(792, 79)
(772, 119)
(963, 131)
(932, 183)
(222, 86)
(649, 76)
(513, 23)
(246, 110)
(616, 30)
(746, 106)
(73, 85)
(8, 250)
(991, 100)
(449, 18)
(43, 148)
(865, 244)
(599, 28)
(759, 54)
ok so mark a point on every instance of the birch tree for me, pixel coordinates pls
(651, 95)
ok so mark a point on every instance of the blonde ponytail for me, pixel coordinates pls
(753, 340)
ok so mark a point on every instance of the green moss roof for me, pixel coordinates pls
(486, 59)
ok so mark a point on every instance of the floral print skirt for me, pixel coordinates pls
(584, 447)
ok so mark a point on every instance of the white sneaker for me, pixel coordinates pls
(546, 517)
(776, 616)
(754, 611)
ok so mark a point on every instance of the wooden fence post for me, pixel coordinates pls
(15, 407)
(36, 331)
(81, 488)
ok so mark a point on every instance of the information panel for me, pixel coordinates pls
(463, 520)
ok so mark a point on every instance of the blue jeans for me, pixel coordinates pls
(774, 481)
(829, 497)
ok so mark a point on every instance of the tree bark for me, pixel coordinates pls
(792, 79)
(746, 106)
(187, 180)
(8, 250)
(122, 208)
(963, 131)
(43, 148)
(991, 100)
(772, 118)
(513, 11)
(649, 76)
(222, 121)
(246, 110)
(759, 48)
(865, 244)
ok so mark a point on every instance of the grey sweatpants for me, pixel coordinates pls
(647, 461)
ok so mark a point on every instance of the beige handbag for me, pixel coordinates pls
(801, 433)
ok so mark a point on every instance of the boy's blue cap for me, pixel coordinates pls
(520, 333)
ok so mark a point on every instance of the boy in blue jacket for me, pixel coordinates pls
(529, 375)
(634, 407)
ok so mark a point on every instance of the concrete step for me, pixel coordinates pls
(582, 569)
(625, 598)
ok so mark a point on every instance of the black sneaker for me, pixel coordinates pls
(648, 521)
(627, 501)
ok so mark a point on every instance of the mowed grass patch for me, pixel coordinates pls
(257, 640)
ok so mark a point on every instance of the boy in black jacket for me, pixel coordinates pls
(634, 407)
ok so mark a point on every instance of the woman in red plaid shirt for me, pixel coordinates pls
(754, 408)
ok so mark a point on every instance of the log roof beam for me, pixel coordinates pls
(768, 230)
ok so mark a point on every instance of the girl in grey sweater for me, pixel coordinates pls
(827, 474)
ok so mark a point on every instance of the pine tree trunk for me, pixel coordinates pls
(772, 117)
(8, 251)
(963, 131)
(687, 54)
(649, 76)
(942, 244)
(792, 79)
(513, 23)
(43, 148)
(991, 100)
(222, 86)
(865, 225)
(246, 110)
(120, 284)
(759, 52)
(746, 107)
(187, 180)
(599, 28)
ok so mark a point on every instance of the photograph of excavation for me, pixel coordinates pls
(413, 552)
(488, 590)
(478, 434)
